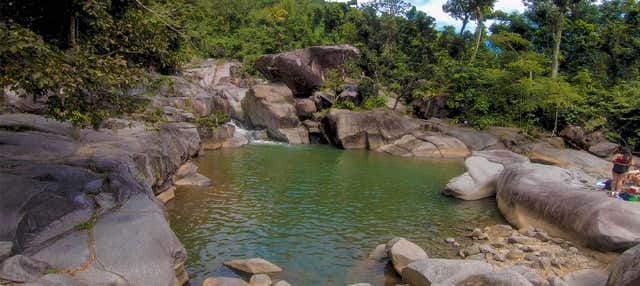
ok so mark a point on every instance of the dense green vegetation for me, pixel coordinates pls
(561, 62)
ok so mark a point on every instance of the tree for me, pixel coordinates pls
(552, 13)
(480, 9)
(391, 7)
(459, 9)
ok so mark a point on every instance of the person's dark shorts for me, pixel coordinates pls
(620, 169)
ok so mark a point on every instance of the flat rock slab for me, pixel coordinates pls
(565, 203)
(253, 266)
(427, 272)
(260, 280)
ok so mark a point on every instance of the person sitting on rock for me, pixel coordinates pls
(622, 160)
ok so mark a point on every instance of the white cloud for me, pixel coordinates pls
(434, 9)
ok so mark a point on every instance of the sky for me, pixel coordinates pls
(434, 9)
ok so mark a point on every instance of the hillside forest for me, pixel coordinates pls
(561, 62)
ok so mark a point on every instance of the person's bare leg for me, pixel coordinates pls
(614, 182)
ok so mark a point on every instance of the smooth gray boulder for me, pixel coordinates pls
(298, 135)
(194, 180)
(483, 168)
(478, 182)
(625, 271)
(253, 266)
(420, 144)
(366, 130)
(21, 268)
(531, 275)
(304, 70)
(402, 252)
(224, 281)
(566, 203)
(427, 272)
(586, 277)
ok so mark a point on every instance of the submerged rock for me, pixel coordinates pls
(403, 252)
(566, 204)
(253, 266)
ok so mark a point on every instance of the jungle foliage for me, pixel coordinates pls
(560, 62)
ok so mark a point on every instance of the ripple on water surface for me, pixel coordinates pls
(317, 211)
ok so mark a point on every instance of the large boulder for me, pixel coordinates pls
(63, 184)
(271, 106)
(304, 70)
(565, 203)
(483, 168)
(427, 272)
(501, 277)
(625, 271)
(366, 130)
(420, 144)
(403, 252)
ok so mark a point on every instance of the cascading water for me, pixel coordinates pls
(252, 136)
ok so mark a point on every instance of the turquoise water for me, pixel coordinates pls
(317, 211)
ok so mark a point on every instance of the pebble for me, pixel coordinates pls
(478, 256)
(515, 254)
(456, 244)
(449, 240)
(498, 244)
(531, 256)
(573, 250)
(499, 257)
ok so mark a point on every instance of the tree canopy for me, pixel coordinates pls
(558, 63)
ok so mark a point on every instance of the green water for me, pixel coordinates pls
(317, 211)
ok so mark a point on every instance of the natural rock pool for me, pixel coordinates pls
(317, 211)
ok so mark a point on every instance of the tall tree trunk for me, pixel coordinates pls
(478, 36)
(72, 34)
(557, 38)
(465, 21)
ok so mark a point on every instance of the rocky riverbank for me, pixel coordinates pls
(81, 205)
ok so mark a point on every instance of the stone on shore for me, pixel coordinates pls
(253, 266)
(224, 281)
(379, 253)
(167, 195)
(260, 280)
(569, 159)
(403, 252)
(625, 271)
(427, 272)
(420, 144)
(304, 70)
(565, 203)
(282, 283)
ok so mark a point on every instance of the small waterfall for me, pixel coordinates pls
(253, 136)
